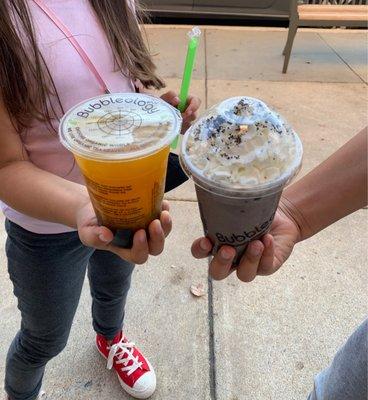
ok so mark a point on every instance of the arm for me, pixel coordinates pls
(41, 194)
(31, 190)
(334, 189)
(45, 196)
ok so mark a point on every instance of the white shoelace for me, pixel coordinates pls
(124, 353)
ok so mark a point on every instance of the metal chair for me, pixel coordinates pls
(320, 13)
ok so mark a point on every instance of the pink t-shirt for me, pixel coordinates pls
(74, 83)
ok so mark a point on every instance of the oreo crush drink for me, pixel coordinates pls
(240, 154)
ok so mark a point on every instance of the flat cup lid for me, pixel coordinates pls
(119, 126)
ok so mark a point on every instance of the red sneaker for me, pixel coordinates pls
(134, 371)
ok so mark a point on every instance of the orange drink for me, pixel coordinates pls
(121, 143)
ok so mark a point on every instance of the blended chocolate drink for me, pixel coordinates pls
(121, 143)
(240, 154)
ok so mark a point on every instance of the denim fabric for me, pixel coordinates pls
(47, 272)
(346, 377)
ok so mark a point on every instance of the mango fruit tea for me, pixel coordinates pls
(121, 144)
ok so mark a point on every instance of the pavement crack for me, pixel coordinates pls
(211, 342)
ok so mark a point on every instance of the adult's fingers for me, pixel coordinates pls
(266, 263)
(248, 266)
(220, 266)
(201, 248)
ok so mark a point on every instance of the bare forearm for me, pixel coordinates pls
(40, 194)
(334, 189)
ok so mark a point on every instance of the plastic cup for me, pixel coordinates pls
(237, 204)
(121, 144)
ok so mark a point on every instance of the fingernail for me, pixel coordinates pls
(102, 238)
(176, 99)
(255, 250)
(141, 238)
(158, 229)
(203, 245)
(226, 254)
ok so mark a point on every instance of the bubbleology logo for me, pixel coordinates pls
(146, 106)
(239, 239)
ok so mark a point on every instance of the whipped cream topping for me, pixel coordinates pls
(242, 142)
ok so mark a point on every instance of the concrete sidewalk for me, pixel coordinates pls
(257, 341)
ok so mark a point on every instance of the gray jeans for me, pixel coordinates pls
(346, 377)
(47, 272)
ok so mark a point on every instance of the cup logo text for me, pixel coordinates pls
(146, 106)
(238, 239)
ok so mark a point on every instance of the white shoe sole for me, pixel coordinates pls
(134, 393)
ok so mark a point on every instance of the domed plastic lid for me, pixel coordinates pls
(241, 144)
(119, 126)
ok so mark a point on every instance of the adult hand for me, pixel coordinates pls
(190, 113)
(93, 235)
(262, 257)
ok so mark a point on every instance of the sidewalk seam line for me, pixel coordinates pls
(211, 341)
(361, 80)
(211, 329)
(289, 81)
(182, 200)
(340, 57)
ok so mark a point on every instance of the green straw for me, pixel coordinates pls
(194, 35)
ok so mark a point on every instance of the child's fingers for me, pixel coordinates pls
(165, 218)
(188, 119)
(138, 254)
(171, 97)
(96, 236)
(105, 235)
(165, 205)
(166, 222)
(156, 240)
(194, 103)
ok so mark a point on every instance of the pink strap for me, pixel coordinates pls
(64, 29)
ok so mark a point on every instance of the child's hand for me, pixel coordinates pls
(262, 257)
(93, 235)
(190, 113)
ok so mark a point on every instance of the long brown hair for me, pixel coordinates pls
(25, 81)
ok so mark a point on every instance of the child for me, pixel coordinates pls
(53, 55)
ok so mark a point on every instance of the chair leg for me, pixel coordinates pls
(289, 44)
(288, 39)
